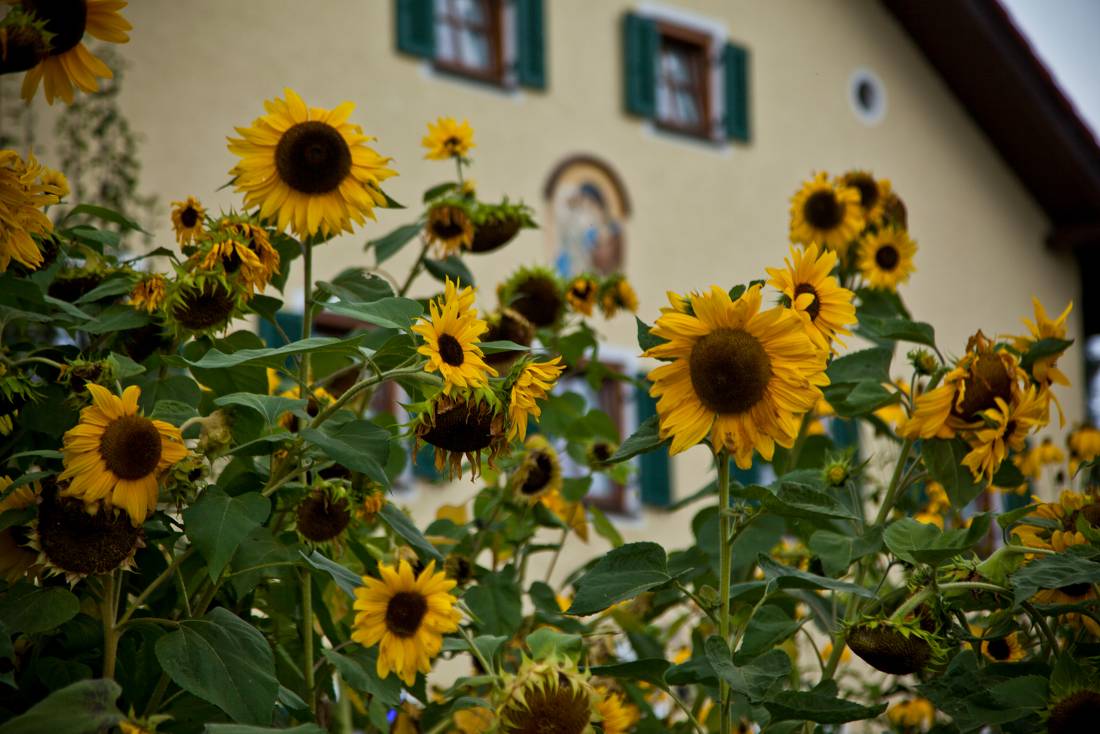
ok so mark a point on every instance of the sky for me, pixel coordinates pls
(1064, 33)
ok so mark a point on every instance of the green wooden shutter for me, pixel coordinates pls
(654, 468)
(640, 42)
(735, 62)
(416, 27)
(424, 464)
(291, 324)
(530, 44)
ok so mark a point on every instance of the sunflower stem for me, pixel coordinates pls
(110, 631)
(415, 268)
(796, 449)
(307, 636)
(725, 548)
(892, 490)
(557, 554)
(155, 584)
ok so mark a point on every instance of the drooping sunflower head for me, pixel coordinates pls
(24, 41)
(463, 424)
(72, 284)
(898, 648)
(616, 294)
(451, 337)
(495, 225)
(616, 715)
(79, 372)
(507, 324)
(815, 295)
(449, 228)
(22, 198)
(582, 293)
(406, 615)
(239, 247)
(149, 292)
(188, 220)
(309, 168)
(536, 293)
(985, 373)
(533, 383)
(374, 499)
(873, 194)
(886, 258)
(115, 455)
(539, 473)
(826, 212)
(742, 376)
(548, 697)
(69, 62)
(448, 138)
(77, 539)
(1073, 697)
(1007, 428)
(202, 303)
(324, 513)
(459, 568)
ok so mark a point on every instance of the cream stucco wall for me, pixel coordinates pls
(701, 214)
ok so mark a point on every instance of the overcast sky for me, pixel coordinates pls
(1066, 36)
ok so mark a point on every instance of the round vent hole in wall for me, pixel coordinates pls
(867, 96)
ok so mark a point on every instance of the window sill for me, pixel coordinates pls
(695, 134)
(493, 79)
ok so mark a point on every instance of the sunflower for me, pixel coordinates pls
(116, 455)
(1073, 594)
(886, 258)
(448, 138)
(451, 337)
(815, 295)
(22, 197)
(1084, 445)
(1074, 712)
(324, 513)
(912, 715)
(1031, 462)
(540, 471)
(1007, 428)
(536, 293)
(1053, 525)
(235, 250)
(572, 514)
(873, 194)
(827, 213)
(741, 375)
(406, 615)
(256, 239)
(69, 62)
(548, 696)
(372, 504)
(581, 294)
(617, 294)
(202, 303)
(1044, 370)
(534, 382)
(309, 167)
(149, 293)
(449, 228)
(55, 182)
(318, 398)
(16, 561)
(462, 424)
(476, 720)
(616, 716)
(507, 325)
(1005, 649)
(188, 220)
(24, 41)
(894, 647)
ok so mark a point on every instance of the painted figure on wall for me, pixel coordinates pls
(587, 233)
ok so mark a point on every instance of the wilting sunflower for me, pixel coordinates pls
(743, 376)
(912, 715)
(1075, 710)
(448, 138)
(886, 258)
(1006, 649)
(116, 455)
(24, 41)
(324, 513)
(463, 424)
(581, 294)
(22, 197)
(372, 504)
(873, 194)
(451, 337)
(1045, 368)
(827, 213)
(55, 182)
(406, 616)
(539, 472)
(534, 382)
(202, 303)
(1008, 426)
(318, 398)
(16, 560)
(616, 715)
(69, 62)
(617, 294)
(894, 647)
(536, 293)
(548, 696)
(507, 325)
(230, 252)
(477, 720)
(309, 167)
(1083, 443)
(1053, 525)
(449, 228)
(815, 295)
(149, 293)
(188, 219)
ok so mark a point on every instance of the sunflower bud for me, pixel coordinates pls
(923, 361)
(216, 435)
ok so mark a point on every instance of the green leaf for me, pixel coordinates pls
(400, 523)
(246, 729)
(450, 267)
(107, 215)
(216, 359)
(837, 552)
(1053, 572)
(943, 459)
(650, 670)
(642, 441)
(363, 677)
(438, 190)
(390, 313)
(604, 527)
(767, 628)
(917, 542)
(109, 287)
(224, 660)
(503, 345)
(217, 523)
(787, 577)
(268, 406)
(389, 245)
(761, 677)
(359, 445)
(897, 329)
(855, 399)
(867, 364)
(646, 338)
(622, 574)
(173, 411)
(1008, 475)
(30, 610)
(354, 285)
(1044, 348)
(345, 578)
(818, 707)
(546, 641)
(116, 317)
(794, 499)
(85, 707)
(496, 603)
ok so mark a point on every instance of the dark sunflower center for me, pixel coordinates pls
(462, 428)
(889, 650)
(729, 370)
(1077, 591)
(66, 19)
(80, 543)
(24, 48)
(189, 217)
(1092, 513)
(815, 307)
(202, 308)
(450, 350)
(999, 649)
(313, 157)
(405, 612)
(822, 210)
(562, 709)
(887, 258)
(539, 476)
(582, 290)
(131, 447)
(232, 263)
(1075, 713)
(987, 381)
(1010, 428)
(868, 191)
(447, 229)
(538, 299)
(452, 143)
(601, 451)
(320, 518)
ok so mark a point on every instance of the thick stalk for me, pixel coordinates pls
(307, 582)
(892, 490)
(725, 549)
(110, 632)
(307, 636)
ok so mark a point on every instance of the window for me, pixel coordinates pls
(686, 79)
(495, 41)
